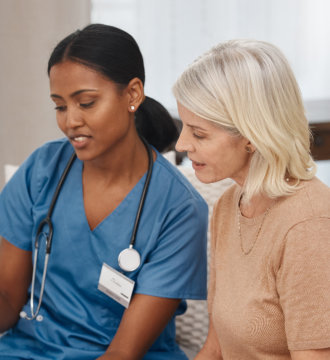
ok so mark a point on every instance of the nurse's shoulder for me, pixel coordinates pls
(177, 184)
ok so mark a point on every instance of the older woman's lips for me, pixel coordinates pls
(197, 166)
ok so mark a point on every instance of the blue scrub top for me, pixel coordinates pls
(79, 320)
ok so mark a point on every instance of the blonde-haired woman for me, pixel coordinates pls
(269, 288)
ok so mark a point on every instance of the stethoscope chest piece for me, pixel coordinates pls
(129, 259)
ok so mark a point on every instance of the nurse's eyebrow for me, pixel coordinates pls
(73, 94)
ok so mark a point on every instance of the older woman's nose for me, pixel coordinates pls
(184, 144)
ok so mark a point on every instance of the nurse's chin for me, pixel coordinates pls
(84, 155)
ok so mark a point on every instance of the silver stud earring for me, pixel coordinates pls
(248, 149)
(132, 107)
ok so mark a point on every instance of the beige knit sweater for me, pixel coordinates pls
(277, 297)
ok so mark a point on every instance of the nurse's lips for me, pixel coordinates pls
(79, 141)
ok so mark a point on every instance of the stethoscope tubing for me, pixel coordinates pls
(34, 315)
(46, 221)
(143, 195)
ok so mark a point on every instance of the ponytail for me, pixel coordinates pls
(156, 125)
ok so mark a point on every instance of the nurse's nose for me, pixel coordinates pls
(184, 144)
(73, 117)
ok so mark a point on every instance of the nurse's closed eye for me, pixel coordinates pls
(87, 105)
(60, 108)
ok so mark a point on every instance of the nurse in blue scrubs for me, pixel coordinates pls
(96, 82)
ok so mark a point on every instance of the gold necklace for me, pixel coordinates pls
(259, 229)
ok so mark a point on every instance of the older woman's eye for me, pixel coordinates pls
(198, 136)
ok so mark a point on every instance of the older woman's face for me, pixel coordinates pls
(215, 153)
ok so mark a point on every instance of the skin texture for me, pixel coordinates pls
(90, 106)
(98, 119)
(211, 349)
(15, 278)
(217, 155)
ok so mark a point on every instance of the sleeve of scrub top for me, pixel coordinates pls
(16, 203)
(177, 266)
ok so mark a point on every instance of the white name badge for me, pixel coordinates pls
(116, 285)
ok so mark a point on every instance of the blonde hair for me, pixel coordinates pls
(248, 88)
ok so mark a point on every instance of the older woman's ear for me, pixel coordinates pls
(249, 148)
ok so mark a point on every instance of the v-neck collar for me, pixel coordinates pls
(135, 191)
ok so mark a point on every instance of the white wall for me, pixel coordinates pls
(172, 33)
(29, 29)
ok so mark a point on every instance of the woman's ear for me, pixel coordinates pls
(249, 148)
(135, 93)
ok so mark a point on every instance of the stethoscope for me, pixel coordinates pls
(129, 259)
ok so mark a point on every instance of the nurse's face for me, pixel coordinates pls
(90, 110)
(215, 153)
